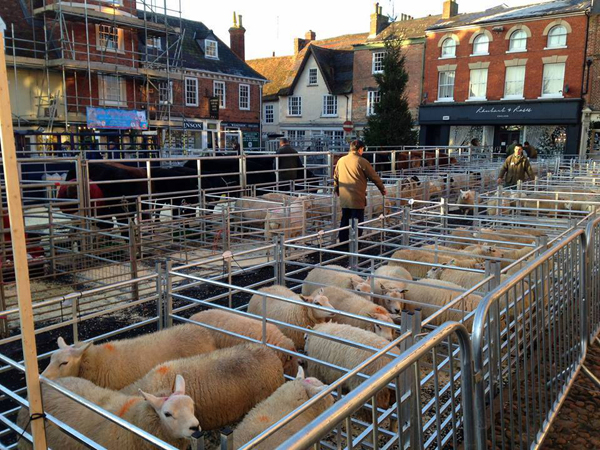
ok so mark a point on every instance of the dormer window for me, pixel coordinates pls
(211, 49)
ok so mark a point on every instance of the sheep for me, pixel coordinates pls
(170, 417)
(513, 255)
(391, 288)
(289, 220)
(345, 356)
(224, 384)
(466, 200)
(412, 255)
(302, 316)
(480, 252)
(333, 275)
(439, 293)
(458, 234)
(282, 402)
(247, 326)
(348, 302)
(133, 357)
(397, 272)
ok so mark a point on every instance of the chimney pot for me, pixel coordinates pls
(450, 9)
(237, 39)
(379, 22)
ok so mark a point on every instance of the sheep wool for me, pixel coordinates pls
(411, 257)
(333, 275)
(345, 356)
(116, 364)
(282, 402)
(252, 328)
(301, 316)
(143, 411)
(224, 384)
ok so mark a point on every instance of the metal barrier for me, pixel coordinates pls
(529, 342)
(593, 277)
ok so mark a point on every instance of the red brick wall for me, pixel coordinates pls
(593, 96)
(363, 79)
(497, 55)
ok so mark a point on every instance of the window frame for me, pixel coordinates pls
(312, 71)
(154, 39)
(443, 46)
(186, 91)
(561, 93)
(247, 107)
(102, 90)
(333, 106)
(222, 98)
(480, 98)
(373, 98)
(272, 113)
(564, 35)
(446, 99)
(161, 90)
(298, 106)
(512, 39)
(513, 96)
(206, 47)
(120, 40)
(377, 59)
(487, 50)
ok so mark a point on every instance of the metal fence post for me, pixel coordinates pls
(168, 292)
(160, 306)
(197, 440)
(280, 259)
(353, 236)
(133, 259)
(226, 439)
(406, 226)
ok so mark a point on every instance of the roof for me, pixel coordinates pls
(334, 58)
(407, 29)
(503, 13)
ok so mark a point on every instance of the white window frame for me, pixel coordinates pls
(102, 29)
(210, 43)
(484, 97)
(553, 95)
(377, 62)
(292, 107)
(511, 39)
(565, 34)
(373, 98)
(330, 106)
(450, 98)
(513, 96)
(311, 81)
(454, 46)
(220, 86)
(191, 87)
(102, 91)
(270, 113)
(154, 42)
(240, 97)
(487, 51)
(161, 90)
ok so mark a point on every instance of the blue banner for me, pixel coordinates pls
(116, 119)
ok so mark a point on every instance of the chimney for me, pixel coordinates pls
(310, 36)
(299, 44)
(379, 22)
(237, 38)
(450, 9)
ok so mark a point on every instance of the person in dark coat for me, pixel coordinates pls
(288, 165)
(516, 168)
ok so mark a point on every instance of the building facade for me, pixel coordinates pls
(505, 75)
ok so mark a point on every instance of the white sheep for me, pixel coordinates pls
(282, 402)
(288, 220)
(224, 384)
(394, 289)
(439, 293)
(169, 417)
(334, 275)
(347, 301)
(116, 364)
(466, 200)
(412, 256)
(345, 356)
(247, 326)
(301, 316)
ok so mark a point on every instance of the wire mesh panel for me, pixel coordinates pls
(528, 339)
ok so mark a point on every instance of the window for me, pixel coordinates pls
(478, 84)
(165, 93)
(294, 106)
(191, 91)
(109, 39)
(153, 42)
(334, 136)
(112, 90)
(554, 77)
(446, 85)
(518, 41)
(448, 48)
(211, 49)
(372, 100)
(515, 82)
(330, 105)
(244, 102)
(312, 77)
(219, 91)
(296, 137)
(378, 62)
(557, 37)
(481, 45)
(269, 114)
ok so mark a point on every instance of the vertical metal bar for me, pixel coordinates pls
(133, 259)
(353, 236)
(197, 440)
(227, 435)
(168, 291)
(160, 305)
(74, 316)
(264, 319)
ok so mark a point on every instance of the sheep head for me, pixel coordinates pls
(66, 361)
(176, 412)
(394, 304)
(435, 273)
(380, 330)
(319, 298)
(358, 284)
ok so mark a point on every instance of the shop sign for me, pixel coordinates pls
(213, 107)
(116, 119)
(193, 125)
(251, 139)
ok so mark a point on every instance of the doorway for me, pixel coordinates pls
(505, 136)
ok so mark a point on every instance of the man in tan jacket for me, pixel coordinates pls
(350, 183)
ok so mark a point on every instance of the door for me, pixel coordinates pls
(505, 136)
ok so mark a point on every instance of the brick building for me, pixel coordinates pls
(154, 72)
(505, 75)
(590, 134)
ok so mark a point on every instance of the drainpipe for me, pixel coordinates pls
(586, 112)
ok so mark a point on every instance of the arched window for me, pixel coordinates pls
(518, 41)
(448, 48)
(481, 45)
(557, 37)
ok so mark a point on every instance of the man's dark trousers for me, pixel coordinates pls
(347, 216)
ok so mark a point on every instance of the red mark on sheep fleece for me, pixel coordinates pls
(380, 310)
(127, 406)
(263, 418)
(109, 347)
(163, 369)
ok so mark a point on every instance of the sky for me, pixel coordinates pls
(272, 25)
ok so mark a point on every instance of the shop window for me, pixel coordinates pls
(481, 45)
(553, 80)
(373, 98)
(219, 91)
(557, 37)
(515, 82)
(446, 85)
(518, 41)
(478, 84)
(449, 48)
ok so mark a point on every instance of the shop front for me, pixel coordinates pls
(250, 134)
(550, 126)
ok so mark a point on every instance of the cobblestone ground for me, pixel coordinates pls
(577, 425)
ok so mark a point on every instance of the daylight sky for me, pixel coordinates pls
(272, 25)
